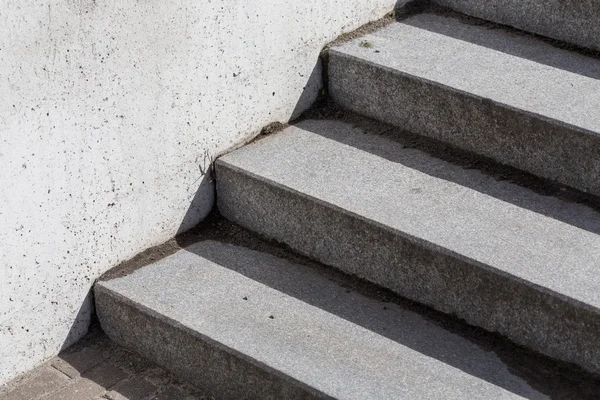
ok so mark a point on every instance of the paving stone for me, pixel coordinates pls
(111, 364)
(131, 362)
(81, 389)
(65, 368)
(106, 374)
(136, 388)
(44, 381)
(84, 358)
(112, 395)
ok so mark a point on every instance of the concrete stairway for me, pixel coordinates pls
(242, 323)
(511, 98)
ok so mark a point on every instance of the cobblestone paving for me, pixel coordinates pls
(97, 369)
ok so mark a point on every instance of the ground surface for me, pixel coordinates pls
(97, 369)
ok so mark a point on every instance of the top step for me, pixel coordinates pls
(511, 98)
(574, 22)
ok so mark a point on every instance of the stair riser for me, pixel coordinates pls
(546, 148)
(208, 365)
(447, 282)
(574, 22)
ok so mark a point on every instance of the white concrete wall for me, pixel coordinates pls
(110, 110)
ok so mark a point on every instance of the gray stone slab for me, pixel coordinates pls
(245, 324)
(82, 389)
(493, 253)
(573, 21)
(514, 99)
(135, 388)
(40, 383)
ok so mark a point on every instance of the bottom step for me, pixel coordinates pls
(243, 324)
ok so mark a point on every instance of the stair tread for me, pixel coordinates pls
(572, 21)
(518, 71)
(540, 240)
(337, 342)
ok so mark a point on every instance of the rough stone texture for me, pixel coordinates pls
(98, 369)
(81, 389)
(40, 382)
(110, 115)
(573, 21)
(138, 387)
(244, 324)
(511, 98)
(188, 354)
(495, 254)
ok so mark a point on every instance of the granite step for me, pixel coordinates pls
(514, 99)
(570, 21)
(245, 324)
(492, 253)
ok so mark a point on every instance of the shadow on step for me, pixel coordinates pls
(392, 321)
(520, 44)
(389, 143)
